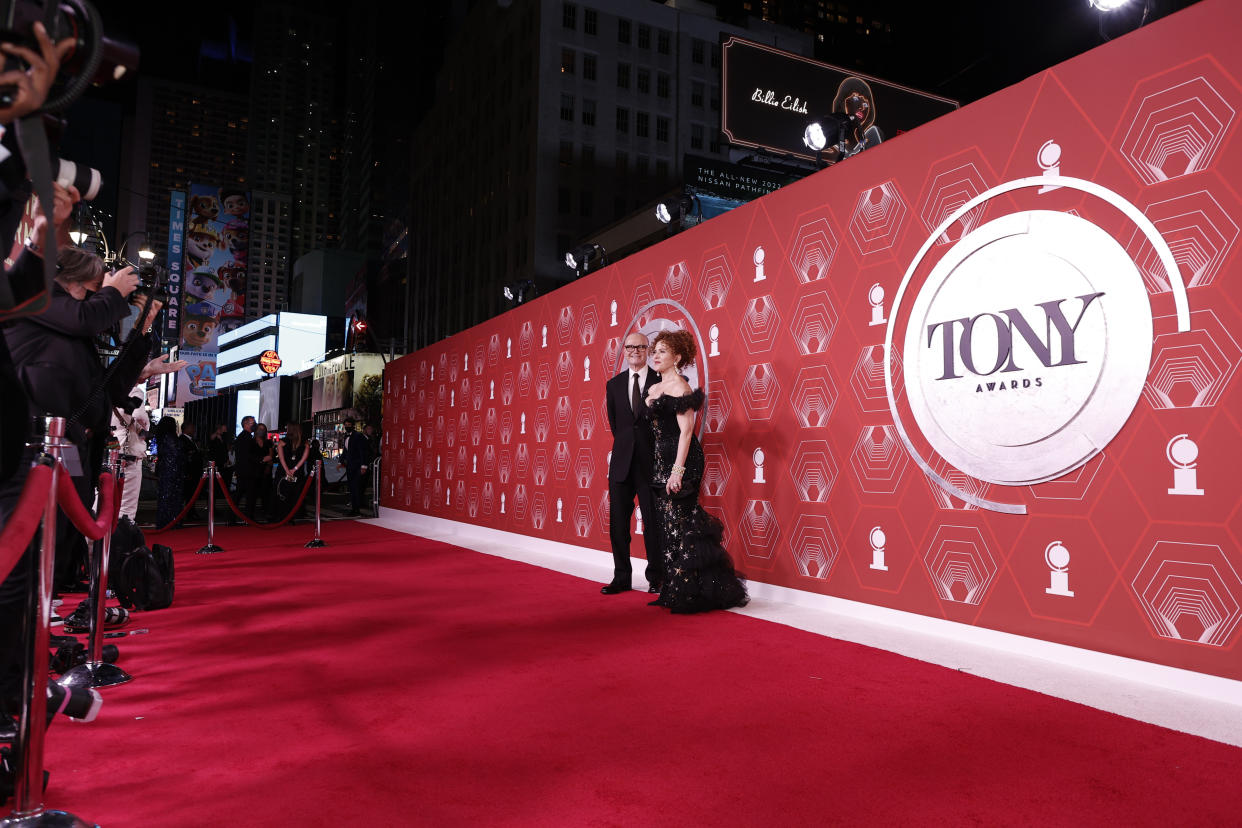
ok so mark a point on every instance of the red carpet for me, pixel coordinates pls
(390, 681)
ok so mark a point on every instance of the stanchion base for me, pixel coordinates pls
(102, 674)
(314, 544)
(46, 819)
(210, 549)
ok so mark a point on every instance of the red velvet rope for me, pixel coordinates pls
(283, 521)
(25, 518)
(67, 497)
(189, 504)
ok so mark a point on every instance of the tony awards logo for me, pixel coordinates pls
(1027, 344)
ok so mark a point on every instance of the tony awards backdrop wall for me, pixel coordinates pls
(1051, 446)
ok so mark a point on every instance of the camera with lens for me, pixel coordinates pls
(150, 285)
(94, 59)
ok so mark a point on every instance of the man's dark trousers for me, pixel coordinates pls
(629, 475)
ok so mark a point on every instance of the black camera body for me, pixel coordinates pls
(95, 59)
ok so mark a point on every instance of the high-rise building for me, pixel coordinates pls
(295, 145)
(553, 118)
(181, 133)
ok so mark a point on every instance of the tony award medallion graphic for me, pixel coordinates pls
(1027, 344)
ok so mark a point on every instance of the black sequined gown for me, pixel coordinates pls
(699, 574)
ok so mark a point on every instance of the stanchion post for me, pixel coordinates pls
(210, 548)
(96, 672)
(28, 810)
(317, 541)
(375, 486)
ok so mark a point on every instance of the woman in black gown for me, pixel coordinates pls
(168, 466)
(294, 455)
(699, 573)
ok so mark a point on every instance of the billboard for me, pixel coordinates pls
(770, 97)
(176, 241)
(212, 296)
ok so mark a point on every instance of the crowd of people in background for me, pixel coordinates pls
(265, 472)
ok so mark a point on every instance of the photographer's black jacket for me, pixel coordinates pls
(60, 369)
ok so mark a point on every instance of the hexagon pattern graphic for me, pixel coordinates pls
(878, 459)
(813, 249)
(716, 470)
(814, 321)
(960, 564)
(588, 325)
(717, 408)
(1190, 592)
(1199, 232)
(760, 324)
(1178, 129)
(947, 190)
(959, 480)
(715, 282)
(565, 325)
(677, 284)
(814, 546)
(813, 471)
(760, 391)
(867, 379)
(1191, 369)
(813, 397)
(878, 216)
(759, 529)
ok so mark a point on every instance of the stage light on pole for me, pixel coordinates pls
(1107, 5)
(663, 214)
(682, 211)
(508, 293)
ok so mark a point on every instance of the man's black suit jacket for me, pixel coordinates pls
(632, 439)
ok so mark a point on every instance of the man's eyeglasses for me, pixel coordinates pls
(635, 348)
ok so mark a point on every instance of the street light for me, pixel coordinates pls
(145, 252)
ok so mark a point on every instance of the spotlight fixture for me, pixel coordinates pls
(519, 292)
(586, 257)
(683, 210)
(1107, 5)
(814, 137)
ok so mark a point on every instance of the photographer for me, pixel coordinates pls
(61, 373)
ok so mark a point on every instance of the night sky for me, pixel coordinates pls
(962, 50)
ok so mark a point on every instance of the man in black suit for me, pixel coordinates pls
(629, 470)
(246, 468)
(357, 457)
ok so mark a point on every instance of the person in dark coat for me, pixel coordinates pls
(169, 472)
(218, 452)
(357, 457)
(629, 470)
(246, 467)
(265, 487)
(191, 465)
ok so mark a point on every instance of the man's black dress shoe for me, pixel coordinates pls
(614, 588)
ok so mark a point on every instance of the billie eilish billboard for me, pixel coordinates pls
(213, 281)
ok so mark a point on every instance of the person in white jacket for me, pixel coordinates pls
(131, 433)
